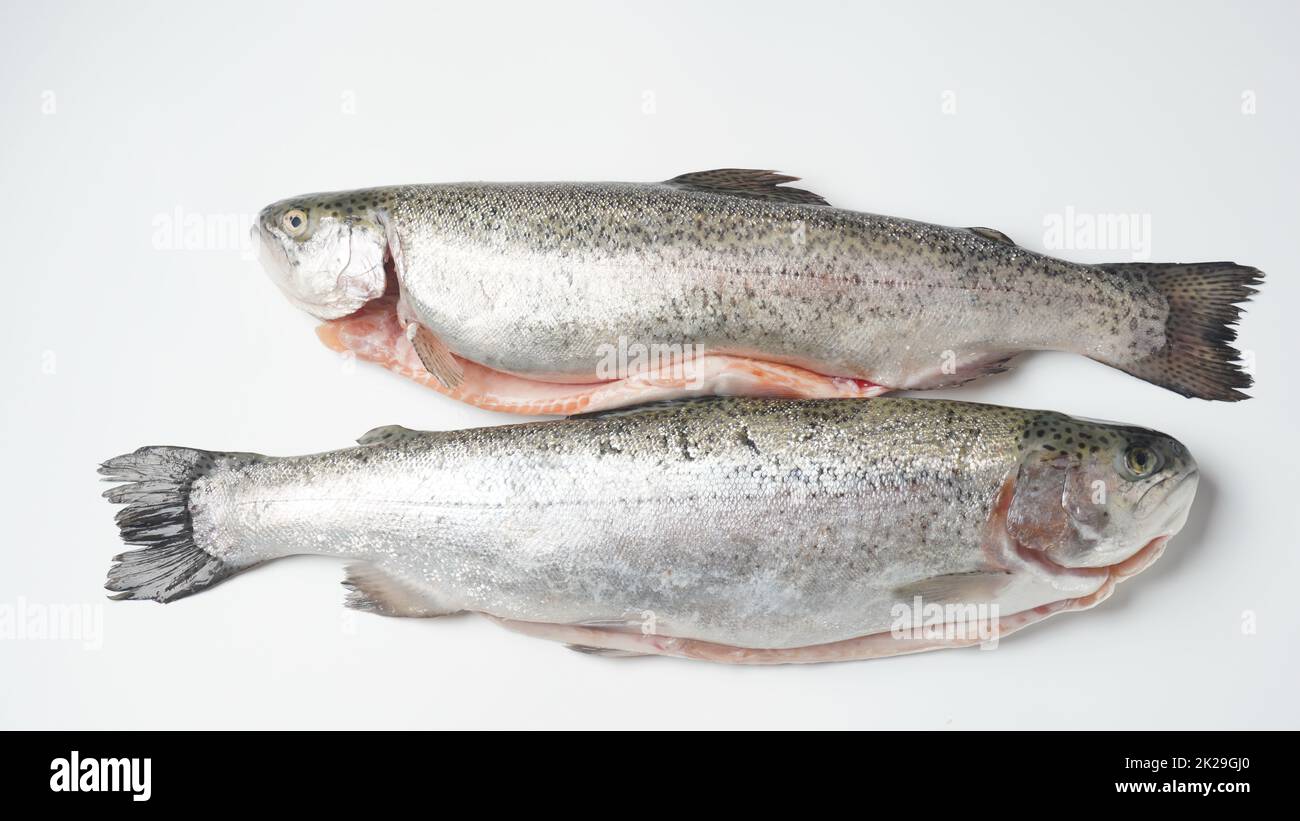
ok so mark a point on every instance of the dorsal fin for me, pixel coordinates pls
(387, 434)
(989, 233)
(747, 182)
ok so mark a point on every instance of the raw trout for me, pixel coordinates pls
(565, 297)
(735, 529)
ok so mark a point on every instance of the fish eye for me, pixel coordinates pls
(1141, 461)
(294, 222)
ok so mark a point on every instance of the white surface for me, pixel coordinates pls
(221, 108)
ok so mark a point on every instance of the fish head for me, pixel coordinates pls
(326, 252)
(1093, 494)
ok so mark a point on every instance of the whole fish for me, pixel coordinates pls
(734, 529)
(565, 297)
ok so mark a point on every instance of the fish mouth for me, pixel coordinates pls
(356, 285)
(1183, 483)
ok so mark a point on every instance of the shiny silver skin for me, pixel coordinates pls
(745, 522)
(834, 291)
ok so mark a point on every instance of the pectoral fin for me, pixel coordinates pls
(437, 359)
(606, 652)
(955, 588)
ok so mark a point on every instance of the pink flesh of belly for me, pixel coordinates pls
(375, 334)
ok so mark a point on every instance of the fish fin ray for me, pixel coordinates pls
(980, 370)
(751, 183)
(373, 590)
(997, 366)
(171, 564)
(436, 357)
(971, 587)
(989, 233)
(1198, 358)
(969, 372)
(387, 434)
(604, 652)
(614, 625)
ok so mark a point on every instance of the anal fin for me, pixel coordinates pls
(373, 590)
(437, 359)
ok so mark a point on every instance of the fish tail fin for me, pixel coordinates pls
(1197, 358)
(171, 562)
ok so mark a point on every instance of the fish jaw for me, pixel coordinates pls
(376, 334)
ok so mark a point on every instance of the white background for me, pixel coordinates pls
(119, 117)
